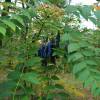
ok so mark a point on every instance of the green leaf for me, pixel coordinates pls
(77, 14)
(88, 82)
(25, 98)
(65, 37)
(97, 93)
(94, 87)
(97, 77)
(88, 53)
(5, 94)
(71, 8)
(74, 57)
(14, 75)
(85, 11)
(31, 12)
(98, 23)
(73, 47)
(9, 24)
(33, 61)
(29, 91)
(50, 87)
(26, 14)
(31, 77)
(83, 75)
(97, 14)
(79, 67)
(83, 44)
(93, 20)
(91, 62)
(3, 30)
(8, 85)
(19, 19)
(96, 71)
(50, 96)
(58, 52)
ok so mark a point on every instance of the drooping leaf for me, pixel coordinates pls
(73, 47)
(94, 20)
(10, 24)
(26, 14)
(85, 11)
(19, 19)
(3, 30)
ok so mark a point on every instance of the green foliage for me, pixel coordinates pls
(82, 54)
(27, 77)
